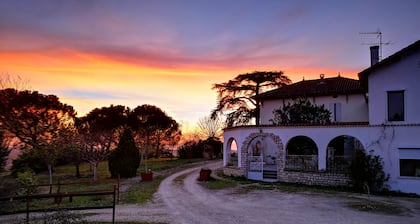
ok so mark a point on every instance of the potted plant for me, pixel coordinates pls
(204, 174)
(147, 174)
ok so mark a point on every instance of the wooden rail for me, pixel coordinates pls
(30, 197)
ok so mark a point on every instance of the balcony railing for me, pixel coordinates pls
(302, 163)
(339, 164)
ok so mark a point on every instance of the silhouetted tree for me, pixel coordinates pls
(36, 120)
(99, 131)
(152, 128)
(4, 150)
(236, 96)
(302, 111)
(125, 159)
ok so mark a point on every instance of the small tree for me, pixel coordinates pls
(125, 159)
(302, 111)
(366, 170)
(4, 150)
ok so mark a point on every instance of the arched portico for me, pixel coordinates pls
(262, 156)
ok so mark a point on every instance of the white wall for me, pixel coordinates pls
(353, 107)
(386, 141)
(402, 75)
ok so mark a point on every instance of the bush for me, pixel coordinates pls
(4, 154)
(28, 160)
(25, 180)
(125, 159)
(367, 170)
(191, 150)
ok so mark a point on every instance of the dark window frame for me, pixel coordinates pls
(409, 167)
(400, 116)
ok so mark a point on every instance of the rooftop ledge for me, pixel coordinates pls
(332, 125)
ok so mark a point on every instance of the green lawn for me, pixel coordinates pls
(136, 194)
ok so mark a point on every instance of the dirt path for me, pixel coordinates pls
(188, 202)
(182, 200)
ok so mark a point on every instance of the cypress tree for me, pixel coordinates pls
(125, 159)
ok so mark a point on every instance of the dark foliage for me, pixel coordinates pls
(236, 96)
(193, 149)
(302, 111)
(125, 159)
(367, 170)
(4, 153)
(28, 160)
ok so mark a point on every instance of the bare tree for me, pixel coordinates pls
(210, 127)
(14, 82)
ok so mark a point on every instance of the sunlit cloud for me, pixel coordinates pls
(169, 53)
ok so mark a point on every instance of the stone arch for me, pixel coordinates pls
(301, 154)
(246, 145)
(340, 151)
(232, 152)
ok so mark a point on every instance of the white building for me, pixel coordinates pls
(379, 113)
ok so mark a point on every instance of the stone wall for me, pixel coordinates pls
(233, 171)
(308, 178)
(315, 178)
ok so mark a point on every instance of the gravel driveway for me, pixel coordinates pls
(181, 200)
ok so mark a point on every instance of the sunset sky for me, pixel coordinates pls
(169, 53)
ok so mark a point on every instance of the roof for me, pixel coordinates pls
(318, 87)
(363, 75)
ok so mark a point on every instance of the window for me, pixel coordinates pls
(410, 167)
(335, 109)
(396, 106)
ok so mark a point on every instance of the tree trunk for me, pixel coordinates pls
(77, 170)
(50, 172)
(95, 171)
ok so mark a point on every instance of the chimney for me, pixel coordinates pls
(374, 55)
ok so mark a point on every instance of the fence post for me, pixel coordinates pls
(27, 207)
(118, 189)
(113, 205)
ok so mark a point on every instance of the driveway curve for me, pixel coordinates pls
(189, 203)
(182, 200)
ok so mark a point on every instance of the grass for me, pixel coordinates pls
(376, 207)
(141, 193)
(136, 194)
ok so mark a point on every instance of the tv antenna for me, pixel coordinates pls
(378, 35)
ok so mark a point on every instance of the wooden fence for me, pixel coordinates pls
(58, 197)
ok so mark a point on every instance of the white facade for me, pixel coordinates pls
(402, 75)
(343, 108)
(397, 142)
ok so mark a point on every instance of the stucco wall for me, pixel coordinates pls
(385, 141)
(354, 108)
(402, 75)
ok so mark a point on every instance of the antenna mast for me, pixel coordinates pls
(378, 34)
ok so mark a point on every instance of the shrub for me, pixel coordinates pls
(125, 159)
(28, 160)
(367, 170)
(25, 180)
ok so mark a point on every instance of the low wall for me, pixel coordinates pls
(308, 178)
(315, 178)
(232, 171)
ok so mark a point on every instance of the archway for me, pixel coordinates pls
(340, 152)
(301, 154)
(262, 153)
(232, 153)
